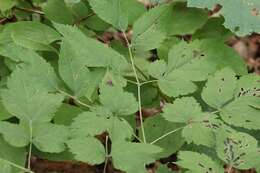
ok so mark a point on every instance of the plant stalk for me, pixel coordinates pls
(138, 83)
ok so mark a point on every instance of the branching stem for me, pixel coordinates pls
(138, 86)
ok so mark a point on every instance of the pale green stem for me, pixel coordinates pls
(167, 134)
(30, 146)
(138, 86)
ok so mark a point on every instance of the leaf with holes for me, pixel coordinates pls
(235, 99)
(198, 163)
(248, 13)
(236, 148)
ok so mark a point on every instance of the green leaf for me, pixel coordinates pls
(4, 114)
(117, 12)
(96, 24)
(87, 149)
(63, 15)
(73, 71)
(248, 85)
(183, 21)
(124, 156)
(236, 100)
(79, 9)
(150, 30)
(34, 68)
(11, 154)
(146, 32)
(200, 127)
(28, 103)
(7, 4)
(33, 35)
(202, 132)
(115, 79)
(220, 88)
(49, 137)
(243, 112)
(248, 13)
(184, 110)
(90, 124)
(174, 87)
(16, 135)
(66, 113)
(198, 163)
(46, 137)
(213, 28)
(118, 101)
(94, 53)
(236, 149)
(165, 47)
(164, 169)
(125, 133)
(157, 69)
(156, 127)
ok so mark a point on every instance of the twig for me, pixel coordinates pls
(29, 10)
(138, 86)
(167, 134)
